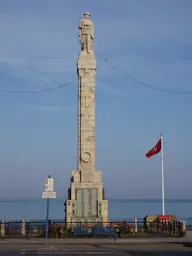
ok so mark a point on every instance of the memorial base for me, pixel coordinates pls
(86, 202)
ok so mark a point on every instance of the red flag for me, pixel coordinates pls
(155, 150)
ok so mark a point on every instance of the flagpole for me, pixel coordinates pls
(162, 173)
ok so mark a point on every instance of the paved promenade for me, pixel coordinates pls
(130, 240)
(84, 246)
(94, 241)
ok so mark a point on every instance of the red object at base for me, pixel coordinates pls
(164, 217)
(155, 150)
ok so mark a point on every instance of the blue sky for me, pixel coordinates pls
(149, 40)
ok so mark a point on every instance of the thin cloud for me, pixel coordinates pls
(25, 73)
(52, 109)
(39, 69)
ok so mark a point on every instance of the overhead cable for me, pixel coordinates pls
(152, 87)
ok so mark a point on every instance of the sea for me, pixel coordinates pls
(119, 209)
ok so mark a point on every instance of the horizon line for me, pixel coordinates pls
(61, 198)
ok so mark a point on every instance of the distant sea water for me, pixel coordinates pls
(119, 209)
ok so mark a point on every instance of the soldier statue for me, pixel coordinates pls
(86, 32)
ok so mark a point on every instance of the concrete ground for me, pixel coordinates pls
(84, 249)
(98, 246)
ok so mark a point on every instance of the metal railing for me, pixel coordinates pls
(60, 229)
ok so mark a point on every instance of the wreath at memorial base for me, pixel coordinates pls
(65, 232)
(58, 231)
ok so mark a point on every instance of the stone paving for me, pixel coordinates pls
(83, 246)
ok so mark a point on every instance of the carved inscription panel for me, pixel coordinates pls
(86, 202)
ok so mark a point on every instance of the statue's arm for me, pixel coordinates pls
(92, 32)
(80, 27)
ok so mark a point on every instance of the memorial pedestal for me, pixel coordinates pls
(87, 202)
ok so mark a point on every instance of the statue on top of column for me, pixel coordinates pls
(86, 33)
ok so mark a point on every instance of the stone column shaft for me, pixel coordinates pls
(86, 119)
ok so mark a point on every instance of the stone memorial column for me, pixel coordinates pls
(85, 198)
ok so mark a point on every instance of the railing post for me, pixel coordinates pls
(177, 228)
(135, 226)
(145, 224)
(171, 227)
(2, 228)
(8, 227)
(155, 226)
(150, 226)
(174, 228)
(23, 227)
(182, 228)
(30, 231)
(27, 229)
(164, 225)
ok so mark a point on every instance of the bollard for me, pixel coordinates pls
(135, 226)
(2, 228)
(23, 227)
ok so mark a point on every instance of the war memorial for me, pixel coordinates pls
(86, 201)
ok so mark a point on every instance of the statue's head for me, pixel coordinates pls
(87, 15)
